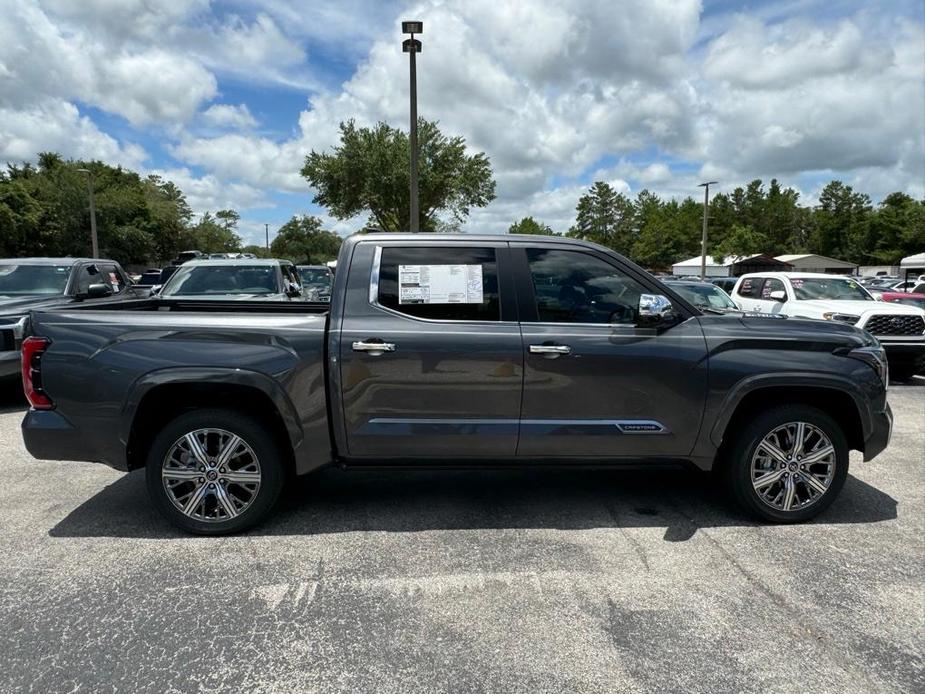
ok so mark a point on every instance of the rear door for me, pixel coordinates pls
(431, 364)
(596, 384)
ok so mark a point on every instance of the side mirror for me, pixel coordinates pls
(156, 289)
(778, 295)
(654, 310)
(293, 290)
(98, 291)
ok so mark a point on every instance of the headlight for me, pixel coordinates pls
(841, 317)
(875, 357)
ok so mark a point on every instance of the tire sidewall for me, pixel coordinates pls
(739, 470)
(252, 432)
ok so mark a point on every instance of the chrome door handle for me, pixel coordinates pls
(550, 349)
(373, 346)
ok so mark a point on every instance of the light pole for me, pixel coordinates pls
(266, 228)
(93, 240)
(413, 46)
(703, 240)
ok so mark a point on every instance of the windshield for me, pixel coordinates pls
(704, 295)
(207, 280)
(829, 289)
(315, 277)
(25, 280)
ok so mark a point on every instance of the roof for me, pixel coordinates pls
(726, 262)
(52, 261)
(789, 258)
(251, 262)
(917, 259)
(797, 275)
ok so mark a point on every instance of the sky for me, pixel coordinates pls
(227, 98)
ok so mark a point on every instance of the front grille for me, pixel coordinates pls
(7, 341)
(895, 325)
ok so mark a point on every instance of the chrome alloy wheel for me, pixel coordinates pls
(793, 466)
(211, 475)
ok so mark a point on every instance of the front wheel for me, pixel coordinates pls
(788, 464)
(214, 472)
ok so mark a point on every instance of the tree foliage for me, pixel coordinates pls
(303, 241)
(528, 225)
(751, 220)
(370, 172)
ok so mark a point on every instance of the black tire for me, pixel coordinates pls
(738, 459)
(253, 434)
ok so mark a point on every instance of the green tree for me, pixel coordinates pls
(841, 224)
(303, 241)
(369, 172)
(741, 241)
(605, 217)
(528, 225)
(213, 234)
(666, 231)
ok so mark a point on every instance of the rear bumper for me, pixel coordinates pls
(48, 435)
(881, 431)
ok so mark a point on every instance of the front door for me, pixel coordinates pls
(431, 363)
(595, 384)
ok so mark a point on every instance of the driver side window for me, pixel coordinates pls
(574, 287)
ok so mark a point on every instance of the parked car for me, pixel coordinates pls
(900, 329)
(445, 349)
(38, 283)
(149, 278)
(262, 280)
(908, 298)
(725, 283)
(317, 281)
(703, 295)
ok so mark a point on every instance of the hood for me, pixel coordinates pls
(781, 333)
(17, 305)
(857, 308)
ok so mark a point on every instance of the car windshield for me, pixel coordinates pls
(704, 295)
(315, 277)
(208, 280)
(27, 280)
(829, 289)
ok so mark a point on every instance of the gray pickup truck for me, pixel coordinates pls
(453, 350)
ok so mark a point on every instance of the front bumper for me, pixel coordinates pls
(880, 434)
(9, 364)
(904, 351)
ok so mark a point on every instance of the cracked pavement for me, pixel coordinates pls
(532, 581)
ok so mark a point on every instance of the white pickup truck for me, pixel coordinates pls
(900, 328)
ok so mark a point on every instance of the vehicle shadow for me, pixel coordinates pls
(11, 396)
(337, 501)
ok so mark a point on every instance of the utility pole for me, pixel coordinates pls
(94, 243)
(703, 240)
(266, 228)
(413, 46)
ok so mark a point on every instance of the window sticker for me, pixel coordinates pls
(440, 284)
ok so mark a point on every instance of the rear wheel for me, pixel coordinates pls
(214, 472)
(788, 465)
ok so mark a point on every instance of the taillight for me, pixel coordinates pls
(32, 350)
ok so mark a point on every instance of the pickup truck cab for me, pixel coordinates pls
(435, 350)
(899, 328)
(234, 280)
(41, 283)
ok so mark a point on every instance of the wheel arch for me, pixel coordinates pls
(161, 396)
(838, 398)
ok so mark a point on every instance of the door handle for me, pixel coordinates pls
(376, 347)
(550, 349)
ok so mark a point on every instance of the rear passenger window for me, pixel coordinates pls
(446, 283)
(750, 287)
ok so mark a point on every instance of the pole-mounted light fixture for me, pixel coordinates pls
(412, 46)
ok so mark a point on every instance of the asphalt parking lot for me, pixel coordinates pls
(533, 581)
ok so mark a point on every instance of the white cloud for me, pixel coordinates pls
(57, 126)
(209, 193)
(229, 116)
